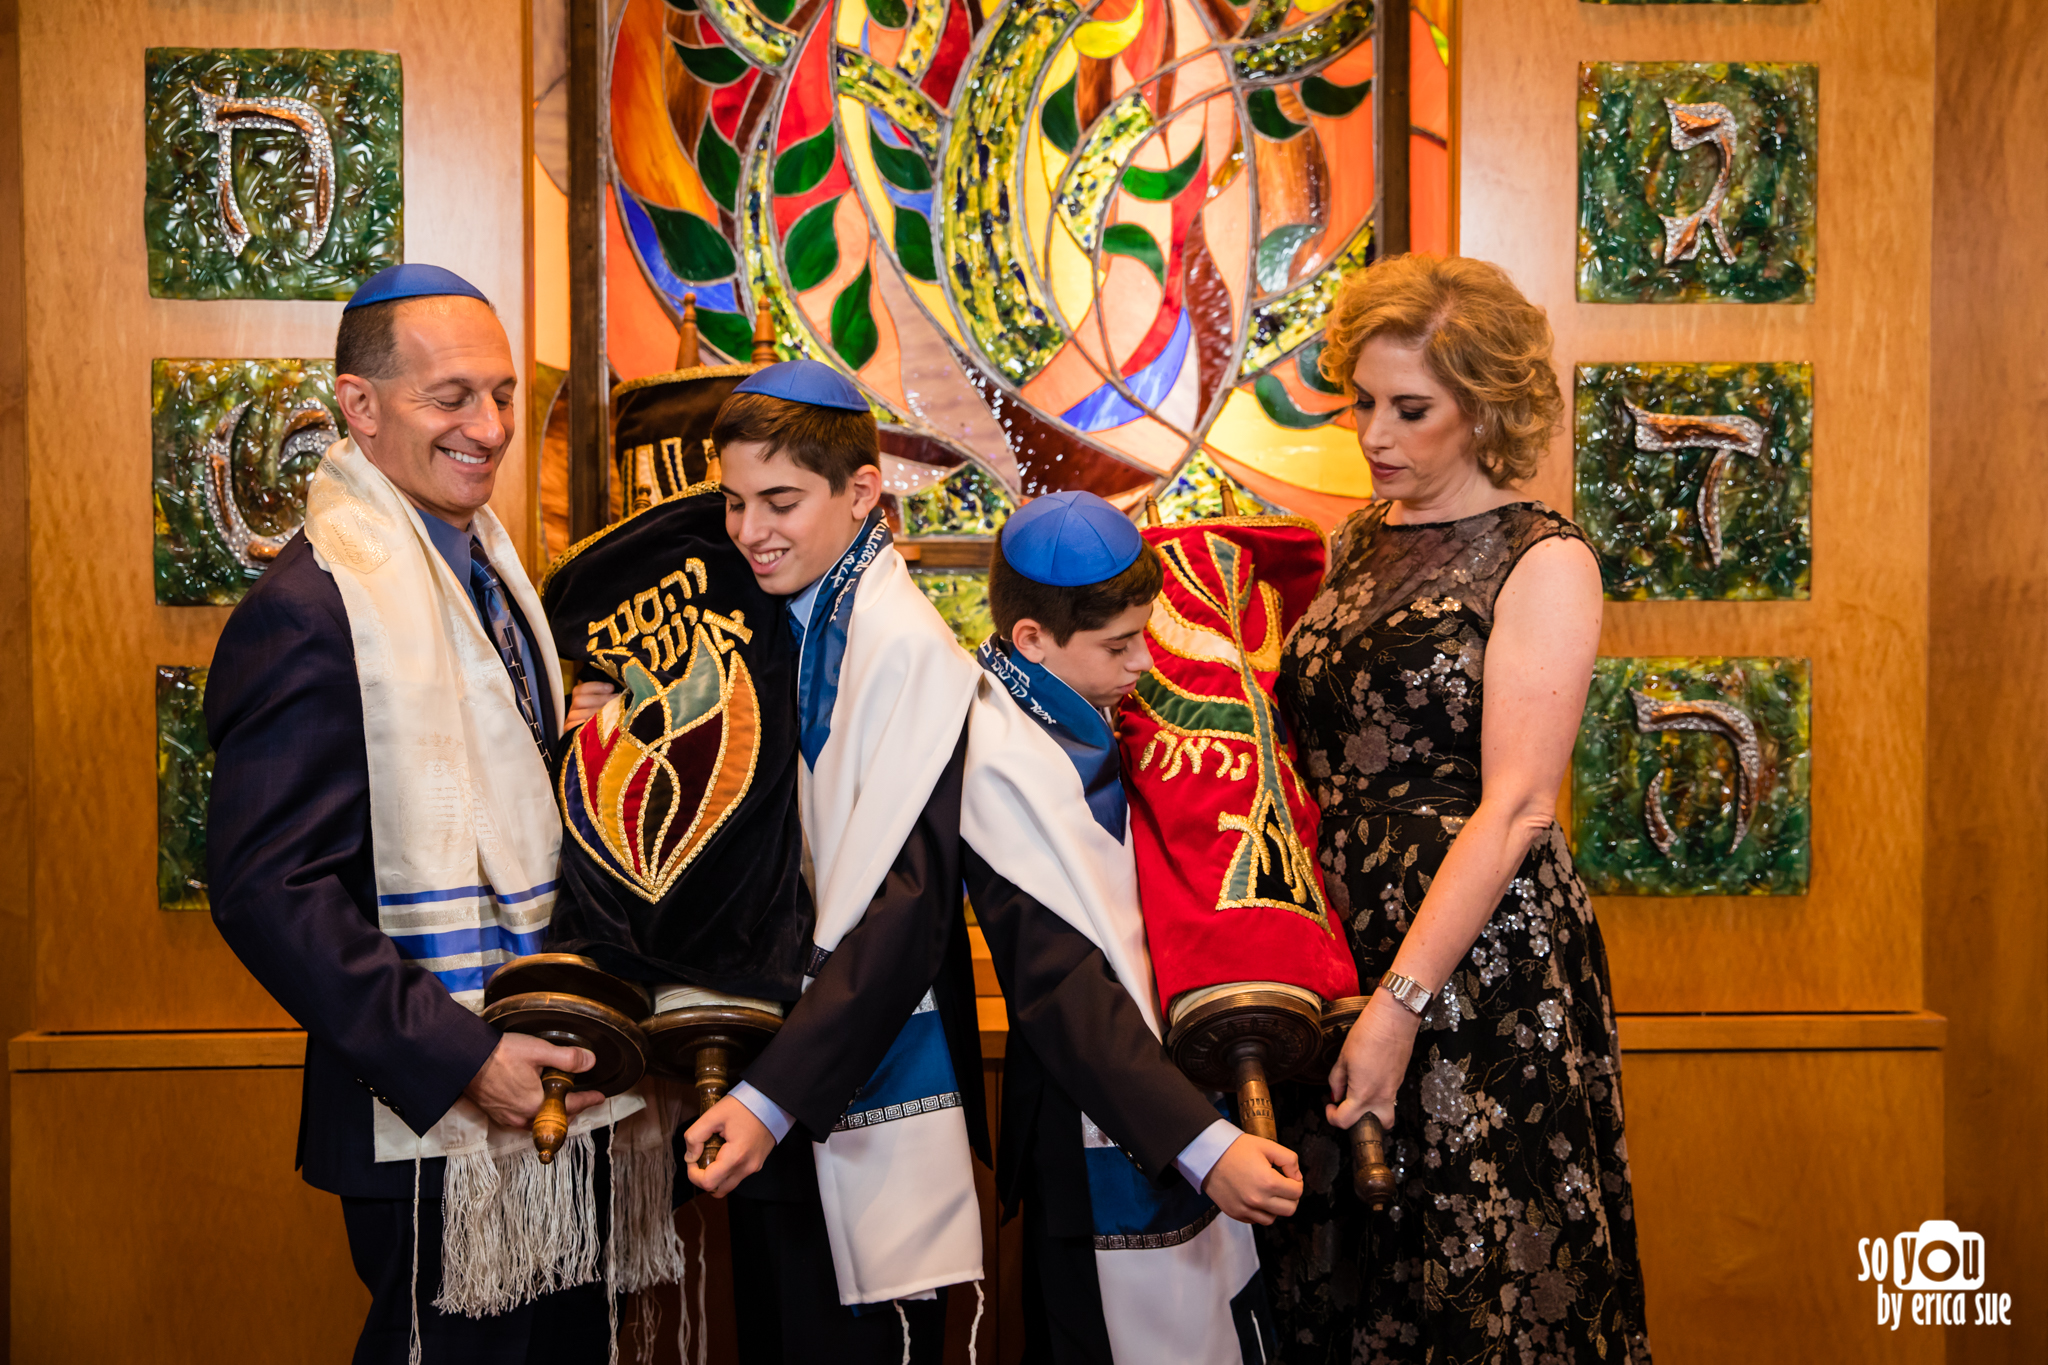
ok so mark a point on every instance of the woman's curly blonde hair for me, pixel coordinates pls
(1484, 342)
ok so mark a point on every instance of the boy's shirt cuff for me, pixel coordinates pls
(1199, 1157)
(778, 1120)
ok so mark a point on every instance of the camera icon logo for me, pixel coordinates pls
(1938, 1257)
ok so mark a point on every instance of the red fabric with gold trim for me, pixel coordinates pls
(1223, 830)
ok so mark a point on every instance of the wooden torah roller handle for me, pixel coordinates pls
(571, 1002)
(705, 1039)
(1371, 1177)
(1243, 1037)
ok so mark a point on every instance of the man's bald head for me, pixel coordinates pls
(367, 342)
(428, 398)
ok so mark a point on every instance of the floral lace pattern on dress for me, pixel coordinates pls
(1512, 1236)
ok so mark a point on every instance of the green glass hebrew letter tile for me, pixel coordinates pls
(961, 595)
(1696, 182)
(271, 173)
(1696, 481)
(1691, 778)
(968, 502)
(232, 443)
(184, 775)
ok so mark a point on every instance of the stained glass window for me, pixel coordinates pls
(1077, 245)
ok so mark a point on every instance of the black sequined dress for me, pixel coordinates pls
(1512, 1238)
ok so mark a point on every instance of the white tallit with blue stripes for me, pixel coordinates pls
(462, 815)
(883, 689)
(1044, 806)
(466, 837)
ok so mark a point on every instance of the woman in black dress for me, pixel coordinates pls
(1434, 689)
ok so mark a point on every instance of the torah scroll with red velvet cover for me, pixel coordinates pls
(1223, 831)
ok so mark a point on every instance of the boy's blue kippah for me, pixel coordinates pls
(1067, 540)
(805, 381)
(411, 282)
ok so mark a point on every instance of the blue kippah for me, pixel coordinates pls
(1070, 539)
(805, 381)
(411, 282)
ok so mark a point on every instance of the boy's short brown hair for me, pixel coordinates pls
(1063, 611)
(830, 442)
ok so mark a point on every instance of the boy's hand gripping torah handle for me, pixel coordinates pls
(706, 1044)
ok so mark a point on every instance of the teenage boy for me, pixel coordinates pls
(860, 1115)
(1120, 1161)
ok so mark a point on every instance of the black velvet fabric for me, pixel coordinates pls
(738, 916)
(679, 410)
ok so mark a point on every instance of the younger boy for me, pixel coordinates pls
(876, 1072)
(1120, 1161)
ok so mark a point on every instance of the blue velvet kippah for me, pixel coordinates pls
(411, 282)
(1070, 539)
(805, 381)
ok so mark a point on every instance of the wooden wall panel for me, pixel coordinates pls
(157, 1217)
(1755, 1174)
(1854, 942)
(1987, 715)
(17, 766)
(106, 958)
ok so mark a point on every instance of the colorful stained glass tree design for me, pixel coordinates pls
(1075, 244)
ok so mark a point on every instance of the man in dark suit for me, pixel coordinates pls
(426, 382)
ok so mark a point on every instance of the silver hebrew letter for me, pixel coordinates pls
(224, 115)
(1725, 436)
(1691, 126)
(1716, 718)
(308, 431)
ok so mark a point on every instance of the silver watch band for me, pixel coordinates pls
(1413, 995)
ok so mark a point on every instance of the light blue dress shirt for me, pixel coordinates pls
(454, 547)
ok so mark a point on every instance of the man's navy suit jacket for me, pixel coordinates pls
(293, 884)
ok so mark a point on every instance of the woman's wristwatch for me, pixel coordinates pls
(1413, 995)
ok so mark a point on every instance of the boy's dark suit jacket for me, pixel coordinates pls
(293, 885)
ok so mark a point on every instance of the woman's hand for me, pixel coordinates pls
(1375, 1058)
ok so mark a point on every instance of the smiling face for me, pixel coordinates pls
(787, 520)
(1418, 442)
(439, 425)
(1103, 664)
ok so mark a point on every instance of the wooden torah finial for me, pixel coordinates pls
(686, 337)
(1151, 510)
(1229, 499)
(571, 1002)
(714, 468)
(1243, 1037)
(705, 1041)
(764, 335)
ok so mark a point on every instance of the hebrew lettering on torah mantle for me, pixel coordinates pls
(232, 445)
(1691, 778)
(271, 173)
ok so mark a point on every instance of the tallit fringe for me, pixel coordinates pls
(515, 1229)
(650, 1251)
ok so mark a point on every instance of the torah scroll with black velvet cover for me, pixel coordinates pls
(681, 849)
